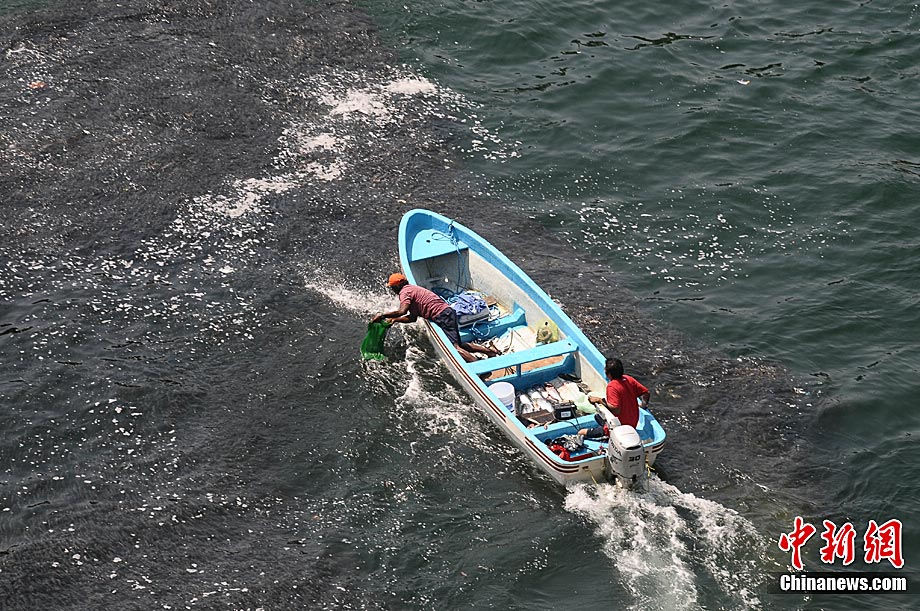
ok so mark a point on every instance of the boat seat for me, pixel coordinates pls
(494, 328)
(564, 427)
(516, 359)
(430, 243)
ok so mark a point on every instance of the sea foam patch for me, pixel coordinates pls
(411, 86)
(364, 112)
(362, 116)
(246, 195)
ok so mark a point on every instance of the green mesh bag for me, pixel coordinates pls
(372, 346)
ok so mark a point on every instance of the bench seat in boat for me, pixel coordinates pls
(495, 328)
(516, 359)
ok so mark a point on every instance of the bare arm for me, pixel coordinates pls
(614, 409)
(396, 315)
(406, 318)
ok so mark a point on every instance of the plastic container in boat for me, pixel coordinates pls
(583, 405)
(505, 393)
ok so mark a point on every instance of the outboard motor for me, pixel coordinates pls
(625, 457)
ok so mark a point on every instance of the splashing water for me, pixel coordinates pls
(445, 409)
(663, 539)
(358, 301)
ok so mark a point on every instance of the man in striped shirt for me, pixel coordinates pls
(418, 302)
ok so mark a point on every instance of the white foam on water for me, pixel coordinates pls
(641, 537)
(359, 120)
(411, 86)
(646, 534)
(729, 544)
(357, 100)
(325, 147)
(319, 142)
(247, 194)
(447, 411)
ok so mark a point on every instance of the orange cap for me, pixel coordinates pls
(395, 279)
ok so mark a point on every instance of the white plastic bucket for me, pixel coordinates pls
(505, 393)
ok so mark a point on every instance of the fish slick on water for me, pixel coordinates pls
(446, 257)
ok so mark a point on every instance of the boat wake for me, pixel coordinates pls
(669, 546)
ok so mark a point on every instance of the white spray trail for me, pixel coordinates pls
(359, 301)
(446, 410)
(661, 539)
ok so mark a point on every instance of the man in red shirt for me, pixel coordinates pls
(623, 394)
(416, 301)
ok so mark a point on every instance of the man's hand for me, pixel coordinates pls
(377, 318)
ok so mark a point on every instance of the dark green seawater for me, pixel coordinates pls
(751, 166)
(200, 202)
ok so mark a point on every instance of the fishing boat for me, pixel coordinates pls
(444, 256)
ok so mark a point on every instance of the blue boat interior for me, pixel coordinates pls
(510, 367)
(431, 248)
(522, 380)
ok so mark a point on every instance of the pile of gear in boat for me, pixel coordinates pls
(558, 399)
(471, 306)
